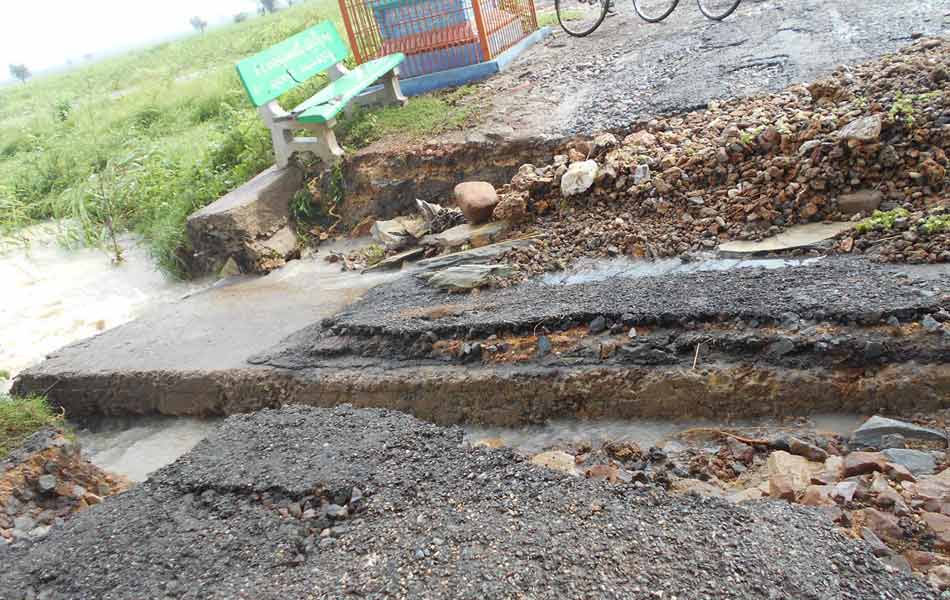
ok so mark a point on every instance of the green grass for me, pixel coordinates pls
(881, 220)
(548, 18)
(19, 417)
(139, 141)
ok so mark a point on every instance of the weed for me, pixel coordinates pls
(4, 374)
(903, 108)
(936, 224)
(20, 417)
(881, 220)
(373, 254)
(549, 18)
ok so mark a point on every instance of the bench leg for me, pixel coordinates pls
(283, 140)
(323, 144)
(392, 90)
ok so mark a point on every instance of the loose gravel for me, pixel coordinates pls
(436, 520)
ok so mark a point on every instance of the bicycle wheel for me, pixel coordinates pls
(581, 17)
(654, 11)
(717, 10)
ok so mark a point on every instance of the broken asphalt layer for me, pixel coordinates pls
(426, 518)
(838, 334)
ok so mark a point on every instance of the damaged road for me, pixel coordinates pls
(343, 502)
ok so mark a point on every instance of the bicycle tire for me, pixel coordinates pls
(604, 6)
(655, 18)
(709, 14)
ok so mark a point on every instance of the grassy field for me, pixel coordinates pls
(139, 141)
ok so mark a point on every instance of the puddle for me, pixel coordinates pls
(55, 296)
(138, 446)
(590, 271)
(645, 433)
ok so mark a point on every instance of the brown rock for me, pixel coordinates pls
(477, 199)
(602, 472)
(809, 451)
(898, 472)
(864, 201)
(885, 526)
(920, 560)
(816, 495)
(780, 486)
(644, 139)
(512, 207)
(865, 129)
(940, 525)
(939, 577)
(860, 463)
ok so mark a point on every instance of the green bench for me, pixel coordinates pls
(285, 66)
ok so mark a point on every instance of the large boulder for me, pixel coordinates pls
(864, 201)
(579, 178)
(870, 432)
(477, 199)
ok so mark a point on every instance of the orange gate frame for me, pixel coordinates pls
(436, 35)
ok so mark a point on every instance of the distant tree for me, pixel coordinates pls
(268, 6)
(20, 72)
(240, 17)
(199, 24)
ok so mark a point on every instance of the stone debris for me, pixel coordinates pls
(467, 235)
(871, 432)
(466, 277)
(748, 169)
(45, 482)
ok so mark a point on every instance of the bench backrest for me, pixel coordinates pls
(286, 65)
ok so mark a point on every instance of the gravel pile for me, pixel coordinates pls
(872, 137)
(439, 521)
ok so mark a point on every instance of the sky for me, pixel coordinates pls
(43, 34)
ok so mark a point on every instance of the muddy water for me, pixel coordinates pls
(53, 296)
(589, 271)
(137, 447)
(645, 433)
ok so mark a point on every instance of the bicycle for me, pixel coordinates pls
(580, 18)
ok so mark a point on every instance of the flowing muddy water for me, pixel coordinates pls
(54, 296)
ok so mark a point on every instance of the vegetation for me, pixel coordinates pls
(548, 18)
(20, 417)
(936, 224)
(140, 141)
(882, 220)
(20, 72)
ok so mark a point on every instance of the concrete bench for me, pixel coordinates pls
(291, 63)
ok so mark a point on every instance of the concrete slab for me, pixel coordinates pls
(798, 236)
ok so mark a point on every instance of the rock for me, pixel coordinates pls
(603, 473)
(39, 533)
(920, 560)
(544, 346)
(817, 495)
(642, 174)
(883, 525)
(861, 463)
(870, 432)
(398, 232)
(845, 490)
(557, 461)
(579, 178)
(46, 484)
(878, 548)
(931, 324)
(438, 218)
(482, 255)
(643, 139)
(396, 260)
(916, 461)
(809, 451)
(465, 234)
(605, 141)
(23, 523)
(893, 440)
(598, 325)
(940, 525)
(864, 201)
(477, 199)
(467, 277)
(864, 129)
(787, 472)
(335, 511)
(512, 207)
(939, 577)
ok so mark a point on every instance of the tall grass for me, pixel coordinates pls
(20, 417)
(139, 141)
